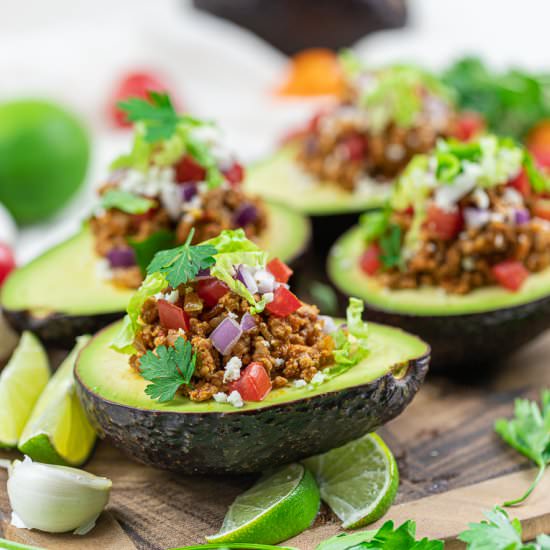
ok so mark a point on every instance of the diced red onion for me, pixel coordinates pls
(248, 322)
(247, 279)
(522, 216)
(203, 274)
(122, 257)
(476, 217)
(188, 191)
(266, 281)
(246, 214)
(329, 325)
(226, 335)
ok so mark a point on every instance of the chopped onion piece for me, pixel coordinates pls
(248, 322)
(247, 278)
(522, 216)
(121, 257)
(476, 217)
(203, 274)
(266, 281)
(329, 326)
(246, 214)
(226, 335)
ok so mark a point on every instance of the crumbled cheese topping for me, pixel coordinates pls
(220, 397)
(235, 399)
(318, 378)
(232, 369)
(300, 383)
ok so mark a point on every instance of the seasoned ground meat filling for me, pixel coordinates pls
(291, 348)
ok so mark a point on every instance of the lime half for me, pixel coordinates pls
(358, 481)
(278, 507)
(58, 431)
(21, 383)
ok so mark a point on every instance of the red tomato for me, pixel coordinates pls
(188, 169)
(370, 259)
(7, 262)
(254, 383)
(446, 225)
(284, 303)
(172, 316)
(279, 270)
(510, 274)
(541, 209)
(134, 84)
(468, 125)
(542, 156)
(521, 183)
(211, 290)
(355, 146)
(235, 174)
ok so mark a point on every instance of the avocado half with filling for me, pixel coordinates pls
(61, 294)
(290, 424)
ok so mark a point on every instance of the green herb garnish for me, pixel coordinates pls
(126, 202)
(529, 433)
(390, 246)
(182, 264)
(374, 224)
(146, 249)
(168, 368)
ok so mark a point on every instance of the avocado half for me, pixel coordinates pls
(332, 210)
(290, 424)
(60, 294)
(465, 332)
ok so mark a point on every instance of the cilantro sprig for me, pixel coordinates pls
(183, 263)
(529, 433)
(168, 368)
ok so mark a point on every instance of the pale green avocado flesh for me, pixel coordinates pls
(345, 272)
(66, 279)
(281, 178)
(106, 373)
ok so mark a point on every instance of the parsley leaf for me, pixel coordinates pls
(146, 249)
(390, 245)
(168, 369)
(529, 433)
(182, 264)
(125, 201)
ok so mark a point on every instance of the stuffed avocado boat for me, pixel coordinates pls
(217, 357)
(177, 177)
(460, 254)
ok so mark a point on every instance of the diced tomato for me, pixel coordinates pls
(134, 84)
(211, 290)
(370, 259)
(510, 274)
(235, 174)
(542, 156)
(355, 146)
(445, 224)
(188, 169)
(521, 183)
(284, 303)
(541, 209)
(468, 125)
(279, 270)
(254, 383)
(7, 262)
(172, 316)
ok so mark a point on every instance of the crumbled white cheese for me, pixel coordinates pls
(512, 197)
(499, 240)
(481, 199)
(232, 369)
(235, 399)
(395, 152)
(468, 263)
(103, 270)
(220, 397)
(318, 378)
(171, 297)
(171, 199)
(279, 362)
(300, 383)
(447, 196)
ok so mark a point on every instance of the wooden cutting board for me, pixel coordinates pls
(452, 467)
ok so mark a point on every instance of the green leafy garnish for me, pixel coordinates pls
(374, 223)
(529, 433)
(168, 368)
(390, 246)
(126, 202)
(146, 249)
(182, 264)
(539, 182)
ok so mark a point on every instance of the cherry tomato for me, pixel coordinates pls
(7, 262)
(521, 183)
(468, 125)
(172, 316)
(188, 169)
(510, 274)
(284, 303)
(235, 174)
(254, 383)
(279, 270)
(541, 209)
(370, 259)
(446, 225)
(211, 290)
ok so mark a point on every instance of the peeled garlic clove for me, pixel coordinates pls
(55, 499)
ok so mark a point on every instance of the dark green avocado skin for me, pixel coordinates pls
(252, 440)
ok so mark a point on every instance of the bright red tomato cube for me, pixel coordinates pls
(235, 174)
(468, 125)
(355, 146)
(254, 383)
(172, 316)
(510, 274)
(7, 262)
(370, 259)
(211, 290)
(189, 170)
(279, 270)
(445, 224)
(284, 303)
(521, 183)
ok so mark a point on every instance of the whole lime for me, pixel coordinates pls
(44, 153)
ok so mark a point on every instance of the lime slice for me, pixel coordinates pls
(358, 481)
(21, 383)
(58, 431)
(277, 507)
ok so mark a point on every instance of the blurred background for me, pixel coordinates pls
(226, 60)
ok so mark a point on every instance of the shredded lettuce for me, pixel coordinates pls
(374, 223)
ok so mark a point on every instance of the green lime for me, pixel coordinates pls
(58, 431)
(9, 545)
(358, 481)
(279, 506)
(21, 383)
(44, 153)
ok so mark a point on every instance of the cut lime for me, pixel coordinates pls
(358, 481)
(21, 383)
(277, 507)
(9, 545)
(58, 431)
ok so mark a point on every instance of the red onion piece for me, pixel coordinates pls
(247, 279)
(203, 274)
(475, 217)
(226, 335)
(248, 322)
(188, 191)
(246, 214)
(122, 257)
(522, 216)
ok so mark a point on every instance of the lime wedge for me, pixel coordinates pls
(277, 507)
(21, 383)
(358, 481)
(58, 431)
